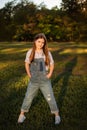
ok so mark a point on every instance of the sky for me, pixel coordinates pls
(49, 3)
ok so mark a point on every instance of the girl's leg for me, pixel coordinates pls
(30, 94)
(47, 91)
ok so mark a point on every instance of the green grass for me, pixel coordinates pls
(69, 82)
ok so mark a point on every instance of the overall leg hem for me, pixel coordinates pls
(53, 112)
(22, 110)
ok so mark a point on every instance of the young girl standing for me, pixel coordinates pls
(39, 65)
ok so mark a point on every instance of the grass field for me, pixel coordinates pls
(69, 82)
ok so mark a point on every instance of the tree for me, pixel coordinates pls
(23, 20)
(6, 21)
(70, 6)
(23, 11)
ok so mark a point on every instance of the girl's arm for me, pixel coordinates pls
(27, 68)
(51, 68)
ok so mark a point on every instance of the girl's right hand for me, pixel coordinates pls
(29, 75)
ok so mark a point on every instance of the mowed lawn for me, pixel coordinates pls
(69, 82)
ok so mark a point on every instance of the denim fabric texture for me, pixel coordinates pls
(39, 81)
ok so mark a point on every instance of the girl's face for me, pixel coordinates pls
(39, 43)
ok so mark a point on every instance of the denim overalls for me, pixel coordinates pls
(39, 81)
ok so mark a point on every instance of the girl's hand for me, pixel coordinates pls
(29, 75)
(48, 75)
(51, 71)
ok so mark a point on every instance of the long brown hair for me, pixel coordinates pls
(45, 48)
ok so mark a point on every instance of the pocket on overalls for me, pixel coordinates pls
(45, 76)
(33, 77)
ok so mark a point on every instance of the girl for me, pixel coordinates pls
(39, 66)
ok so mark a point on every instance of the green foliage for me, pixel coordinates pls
(21, 21)
(71, 6)
(69, 83)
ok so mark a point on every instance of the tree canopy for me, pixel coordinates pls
(21, 21)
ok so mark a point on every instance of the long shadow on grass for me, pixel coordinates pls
(65, 75)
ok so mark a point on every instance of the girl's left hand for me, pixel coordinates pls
(48, 75)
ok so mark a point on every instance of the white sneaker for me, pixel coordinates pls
(57, 120)
(21, 118)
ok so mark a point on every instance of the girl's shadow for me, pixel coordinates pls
(65, 75)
